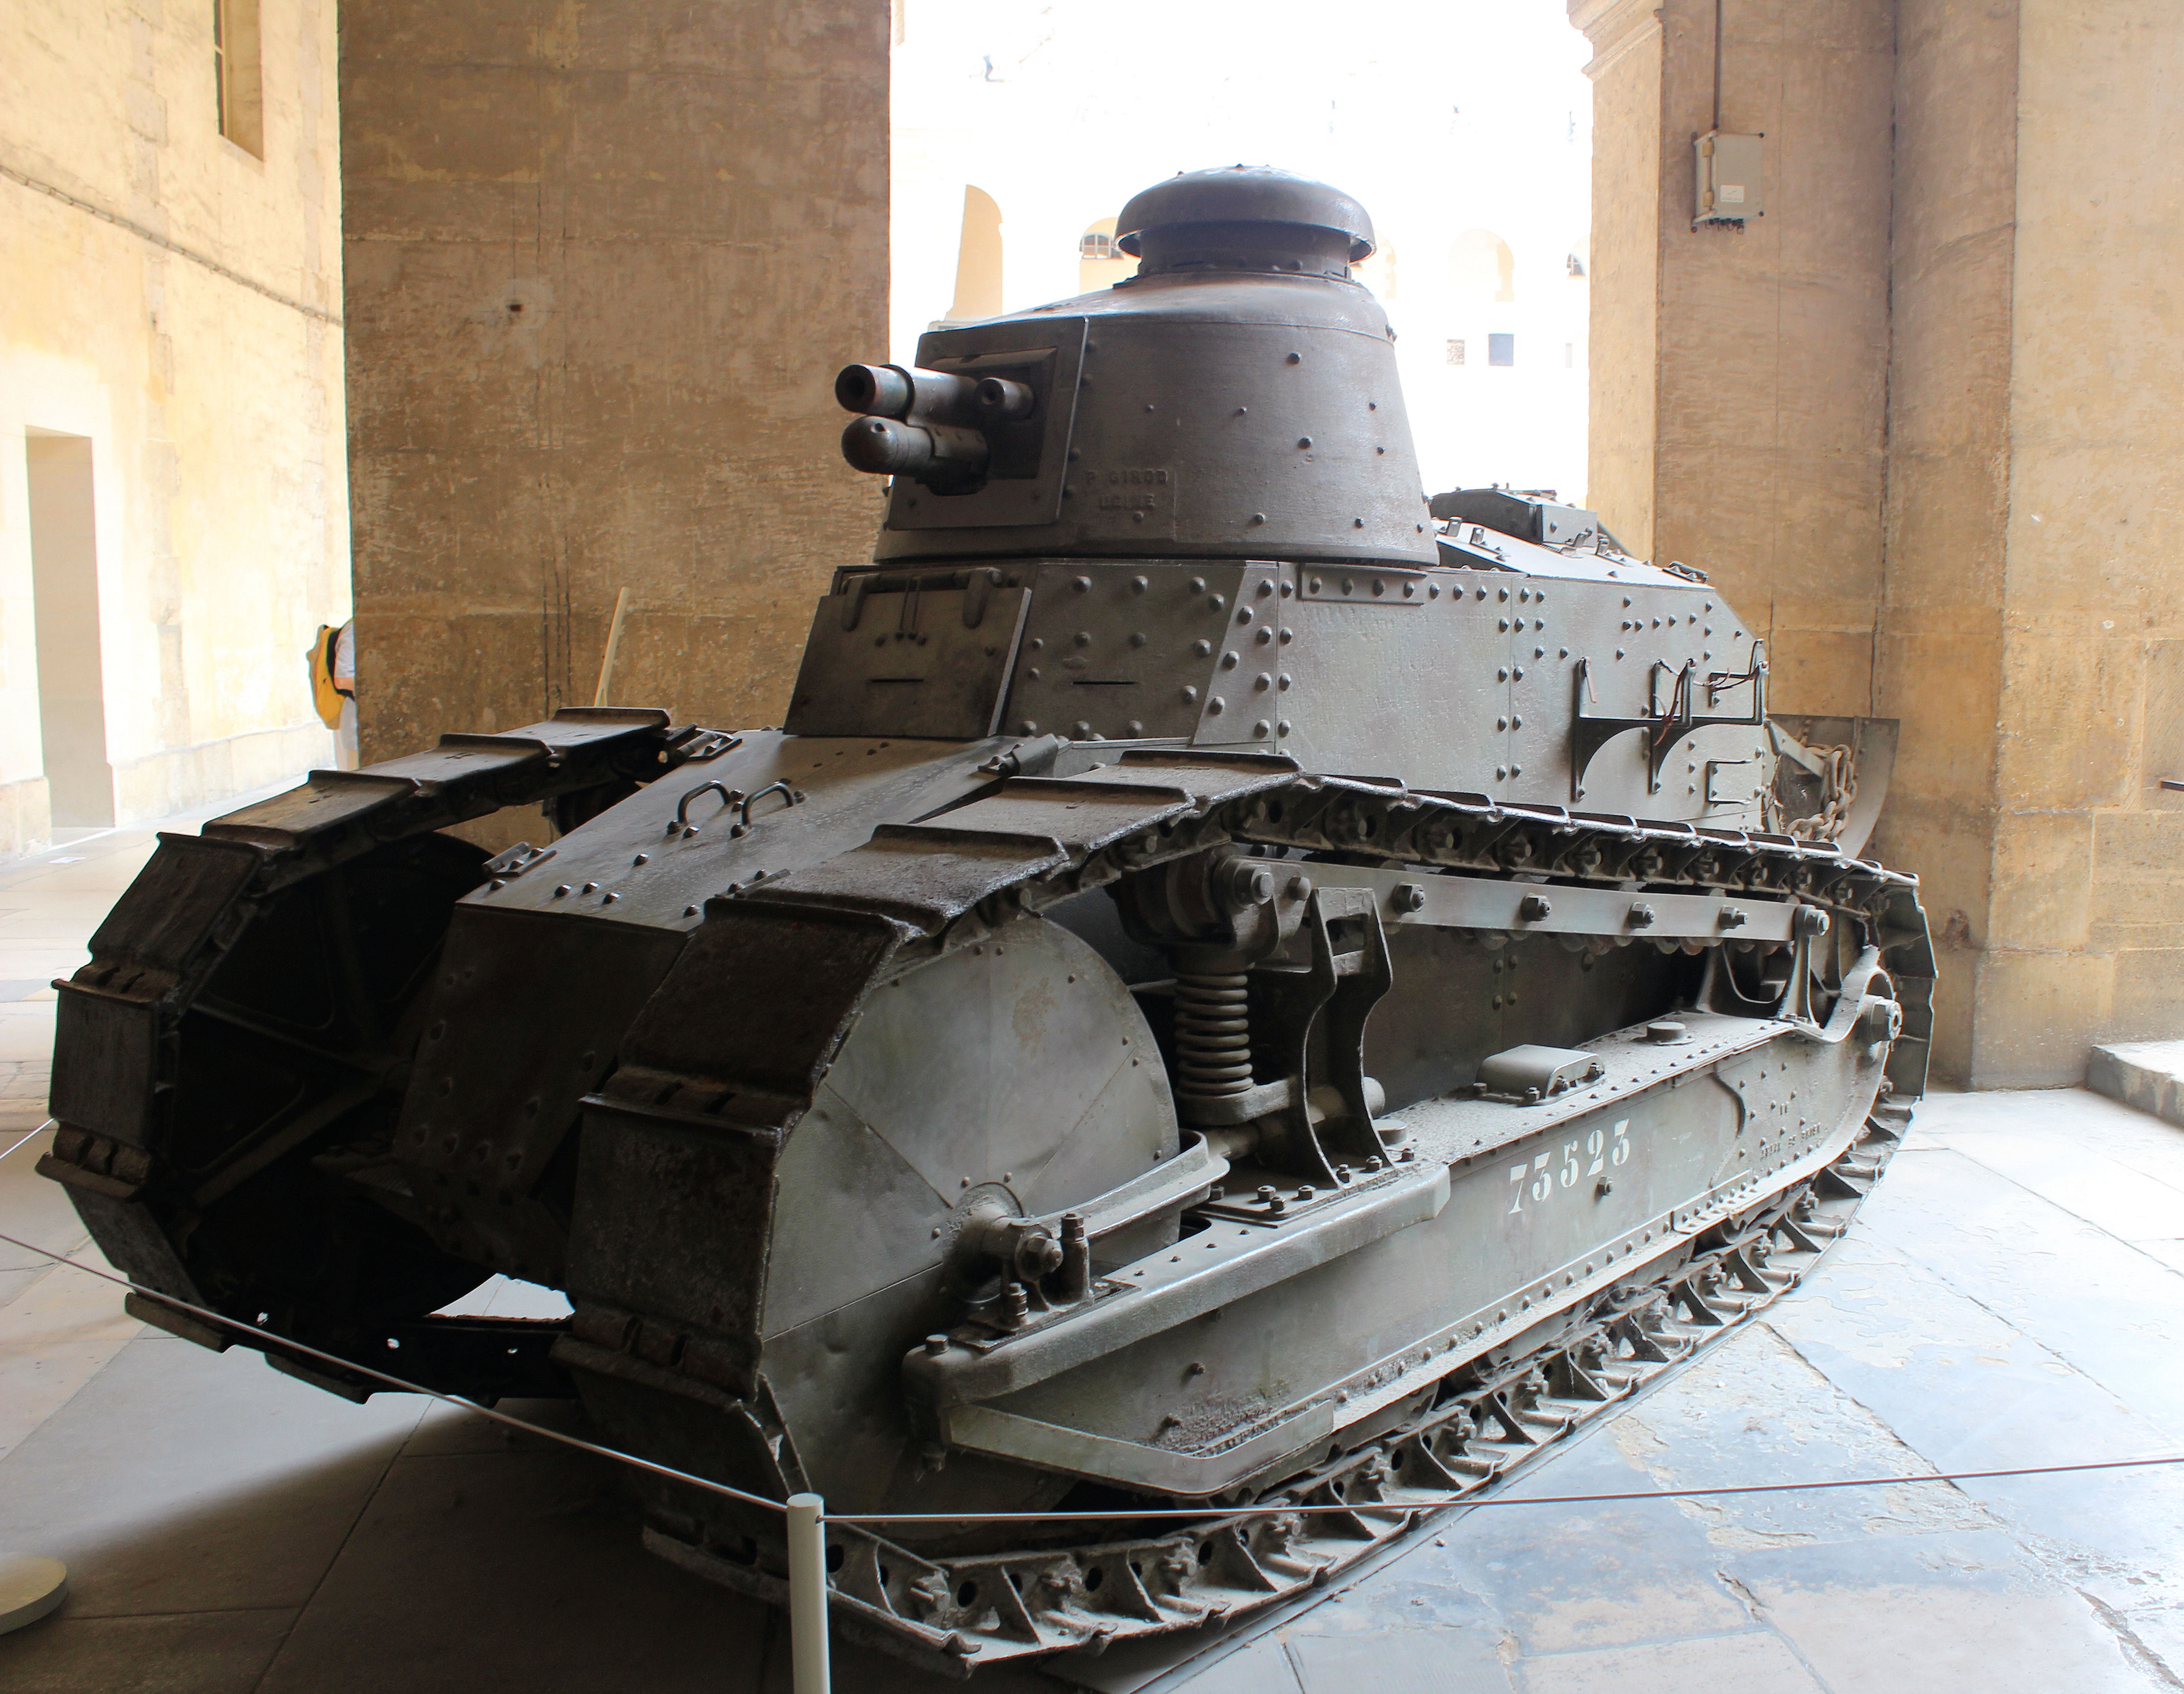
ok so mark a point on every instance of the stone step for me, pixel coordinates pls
(2147, 1074)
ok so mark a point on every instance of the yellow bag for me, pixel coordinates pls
(324, 694)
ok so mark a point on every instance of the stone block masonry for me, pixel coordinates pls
(603, 261)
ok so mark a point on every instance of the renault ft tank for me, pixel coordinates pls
(1234, 987)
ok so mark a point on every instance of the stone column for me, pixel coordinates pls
(603, 259)
(1752, 449)
(1921, 422)
(2083, 936)
(1939, 625)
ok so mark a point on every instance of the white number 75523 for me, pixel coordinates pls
(1581, 1157)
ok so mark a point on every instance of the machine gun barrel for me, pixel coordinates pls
(934, 454)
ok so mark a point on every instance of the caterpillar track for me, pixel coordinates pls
(1233, 987)
(1483, 1423)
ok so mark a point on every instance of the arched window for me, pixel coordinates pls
(1100, 263)
(1481, 267)
(979, 260)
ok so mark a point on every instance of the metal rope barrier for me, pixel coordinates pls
(807, 1516)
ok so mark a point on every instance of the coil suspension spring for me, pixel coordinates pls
(1213, 1034)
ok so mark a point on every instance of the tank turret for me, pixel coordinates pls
(1235, 399)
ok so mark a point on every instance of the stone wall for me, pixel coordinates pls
(171, 329)
(2084, 931)
(1920, 423)
(603, 261)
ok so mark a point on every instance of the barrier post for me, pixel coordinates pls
(807, 1593)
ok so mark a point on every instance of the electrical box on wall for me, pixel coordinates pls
(1728, 179)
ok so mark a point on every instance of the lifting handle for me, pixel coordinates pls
(790, 797)
(729, 797)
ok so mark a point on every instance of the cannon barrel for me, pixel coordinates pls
(894, 391)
